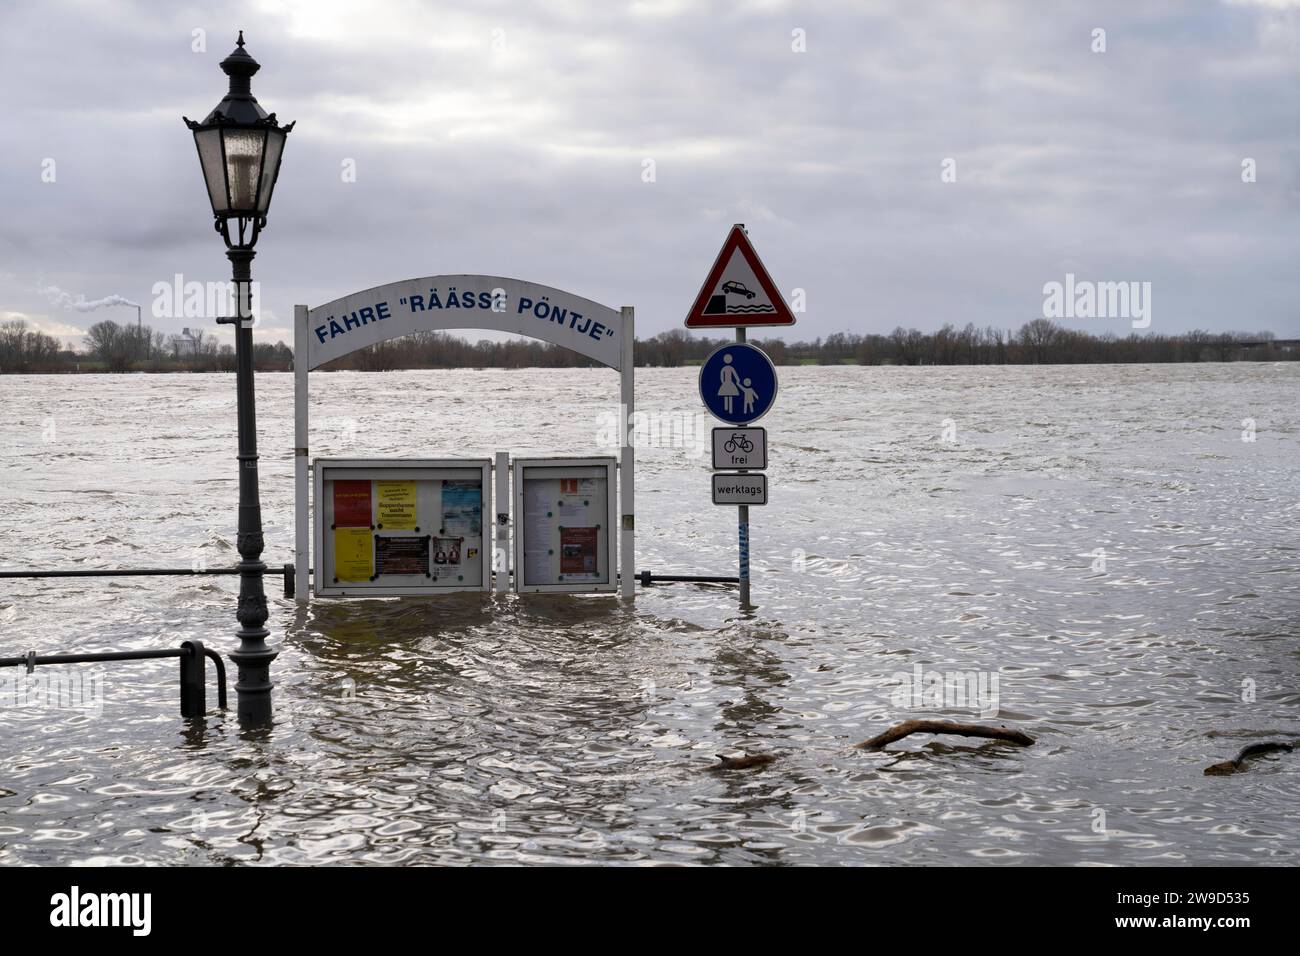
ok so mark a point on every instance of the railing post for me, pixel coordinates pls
(194, 702)
(289, 581)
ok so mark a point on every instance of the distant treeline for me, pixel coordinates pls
(1038, 342)
(110, 347)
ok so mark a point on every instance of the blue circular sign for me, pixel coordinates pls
(738, 383)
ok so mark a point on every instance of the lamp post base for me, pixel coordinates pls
(253, 687)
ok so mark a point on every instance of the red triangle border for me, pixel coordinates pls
(736, 239)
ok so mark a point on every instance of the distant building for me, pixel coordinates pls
(186, 343)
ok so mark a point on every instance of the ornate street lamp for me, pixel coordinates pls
(239, 146)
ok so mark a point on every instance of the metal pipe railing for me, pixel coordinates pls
(286, 570)
(192, 654)
(646, 578)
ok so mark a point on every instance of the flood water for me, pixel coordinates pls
(1101, 541)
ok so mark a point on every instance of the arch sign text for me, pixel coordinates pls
(464, 302)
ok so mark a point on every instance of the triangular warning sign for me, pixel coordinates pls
(738, 290)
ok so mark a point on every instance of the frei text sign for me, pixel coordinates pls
(730, 488)
(738, 291)
(463, 302)
(740, 448)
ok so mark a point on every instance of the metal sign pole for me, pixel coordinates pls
(743, 526)
(739, 292)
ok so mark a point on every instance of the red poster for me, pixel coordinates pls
(578, 551)
(352, 504)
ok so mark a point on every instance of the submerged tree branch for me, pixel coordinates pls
(1236, 763)
(908, 727)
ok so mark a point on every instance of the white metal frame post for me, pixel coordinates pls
(302, 546)
(627, 459)
(501, 553)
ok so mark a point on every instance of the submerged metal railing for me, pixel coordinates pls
(192, 653)
(286, 570)
(646, 578)
(193, 678)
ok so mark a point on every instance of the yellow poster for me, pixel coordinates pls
(354, 554)
(396, 505)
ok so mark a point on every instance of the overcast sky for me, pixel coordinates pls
(512, 138)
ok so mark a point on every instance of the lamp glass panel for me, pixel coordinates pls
(274, 147)
(214, 171)
(244, 166)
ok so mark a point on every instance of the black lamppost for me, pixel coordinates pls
(239, 148)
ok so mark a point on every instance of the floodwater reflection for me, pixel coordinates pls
(478, 728)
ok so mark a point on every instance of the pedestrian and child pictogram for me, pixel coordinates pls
(738, 383)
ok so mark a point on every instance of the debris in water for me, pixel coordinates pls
(1254, 750)
(743, 762)
(908, 727)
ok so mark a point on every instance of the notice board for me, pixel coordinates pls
(400, 526)
(564, 524)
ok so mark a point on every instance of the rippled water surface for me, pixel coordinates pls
(471, 729)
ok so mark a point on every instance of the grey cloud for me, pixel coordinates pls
(527, 161)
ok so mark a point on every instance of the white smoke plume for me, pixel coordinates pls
(65, 300)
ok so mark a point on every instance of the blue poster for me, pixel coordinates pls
(462, 508)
